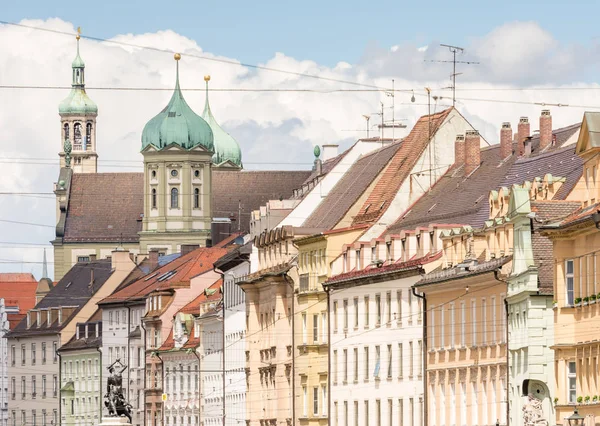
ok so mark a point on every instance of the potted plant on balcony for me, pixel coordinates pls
(577, 301)
(587, 399)
(554, 304)
(555, 401)
(595, 399)
(579, 399)
(586, 299)
(592, 299)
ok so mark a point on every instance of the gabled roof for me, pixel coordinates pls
(350, 188)
(400, 166)
(180, 271)
(18, 290)
(460, 199)
(457, 273)
(108, 207)
(75, 289)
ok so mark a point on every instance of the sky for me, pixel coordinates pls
(530, 56)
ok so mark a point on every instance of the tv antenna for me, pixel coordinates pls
(454, 50)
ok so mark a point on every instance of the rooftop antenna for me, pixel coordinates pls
(367, 117)
(454, 50)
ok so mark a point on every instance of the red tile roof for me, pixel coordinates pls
(210, 294)
(181, 270)
(399, 167)
(18, 290)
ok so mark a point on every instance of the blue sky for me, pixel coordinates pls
(324, 31)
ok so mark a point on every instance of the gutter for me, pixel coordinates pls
(100, 375)
(424, 354)
(496, 274)
(162, 373)
(328, 290)
(200, 381)
(286, 276)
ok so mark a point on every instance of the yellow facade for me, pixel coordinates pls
(315, 254)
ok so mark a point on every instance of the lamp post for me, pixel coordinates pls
(575, 419)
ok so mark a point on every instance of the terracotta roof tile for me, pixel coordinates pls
(459, 199)
(18, 290)
(350, 187)
(399, 167)
(210, 294)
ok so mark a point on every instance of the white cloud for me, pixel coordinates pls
(272, 127)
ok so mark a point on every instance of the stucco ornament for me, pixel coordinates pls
(533, 413)
(114, 400)
(179, 334)
(67, 148)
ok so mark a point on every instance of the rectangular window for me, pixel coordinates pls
(432, 330)
(54, 385)
(13, 355)
(410, 307)
(411, 411)
(356, 312)
(420, 358)
(43, 386)
(377, 412)
(345, 365)
(367, 312)
(23, 354)
(316, 328)
(572, 381)
(388, 307)
(304, 330)
(23, 387)
(335, 366)
(43, 352)
(366, 362)
(54, 352)
(335, 317)
(305, 401)
(411, 356)
(399, 307)
(324, 400)
(401, 412)
(316, 401)
(442, 327)
(389, 363)
(13, 388)
(345, 304)
(324, 327)
(366, 413)
(355, 365)
(390, 412)
(378, 310)
(356, 418)
(473, 322)
(493, 302)
(463, 320)
(400, 363)
(483, 321)
(569, 282)
(452, 325)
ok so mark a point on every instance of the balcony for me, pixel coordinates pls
(309, 283)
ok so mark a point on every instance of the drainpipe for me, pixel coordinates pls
(128, 350)
(218, 271)
(198, 384)
(100, 385)
(285, 276)
(162, 373)
(327, 291)
(424, 354)
(144, 337)
(497, 278)
(59, 382)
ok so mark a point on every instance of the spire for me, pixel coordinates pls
(45, 266)
(206, 112)
(78, 65)
(78, 101)
(177, 57)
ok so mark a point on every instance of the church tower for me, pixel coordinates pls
(78, 124)
(177, 145)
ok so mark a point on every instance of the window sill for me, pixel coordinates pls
(400, 377)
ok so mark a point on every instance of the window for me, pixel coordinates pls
(378, 310)
(345, 366)
(305, 401)
(366, 311)
(13, 355)
(196, 198)
(54, 385)
(356, 418)
(23, 387)
(316, 401)
(345, 304)
(174, 173)
(572, 381)
(473, 322)
(324, 327)
(432, 330)
(355, 365)
(442, 327)
(335, 366)
(23, 354)
(377, 361)
(153, 198)
(401, 412)
(452, 325)
(13, 388)
(484, 321)
(335, 317)
(377, 412)
(304, 330)
(13, 415)
(43, 386)
(388, 307)
(88, 136)
(324, 400)
(410, 307)
(400, 363)
(23, 417)
(346, 413)
(389, 363)
(33, 387)
(356, 312)
(420, 358)
(399, 307)
(366, 361)
(390, 412)
(43, 352)
(174, 198)
(493, 302)
(411, 356)
(55, 352)
(77, 137)
(569, 282)
(366, 422)
(463, 320)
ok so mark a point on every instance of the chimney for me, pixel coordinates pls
(153, 259)
(545, 129)
(318, 167)
(188, 248)
(527, 147)
(505, 140)
(472, 151)
(93, 257)
(120, 260)
(523, 133)
(329, 151)
(459, 150)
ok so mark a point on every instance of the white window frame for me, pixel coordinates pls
(571, 378)
(463, 320)
(569, 301)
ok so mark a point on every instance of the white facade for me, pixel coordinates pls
(211, 377)
(4, 327)
(376, 354)
(181, 380)
(123, 338)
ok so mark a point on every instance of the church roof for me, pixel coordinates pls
(78, 102)
(108, 207)
(177, 124)
(225, 146)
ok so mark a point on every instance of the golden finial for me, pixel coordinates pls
(177, 56)
(207, 78)
(78, 36)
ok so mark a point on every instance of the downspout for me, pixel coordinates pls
(218, 271)
(162, 374)
(424, 355)
(496, 277)
(143, 405)
(128, 350)
(59, 382)
(285, 276)
(198, 384)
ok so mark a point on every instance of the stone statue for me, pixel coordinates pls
(114, 400)
(68, 148)
(533, 413)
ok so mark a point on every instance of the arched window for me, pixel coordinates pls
(88, 136)
(174, 198)
(77, 139)
(196, 198)
(66, 132)
(153, 198)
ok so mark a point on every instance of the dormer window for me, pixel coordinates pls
(345, 262)
(357, 260)
(39, 318)
(28, 319)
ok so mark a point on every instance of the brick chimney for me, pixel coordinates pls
(505, 140)
(459, 150)
(522, 133)
(472, 151)
(545, 129)
(527, 147)
(120, 260)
